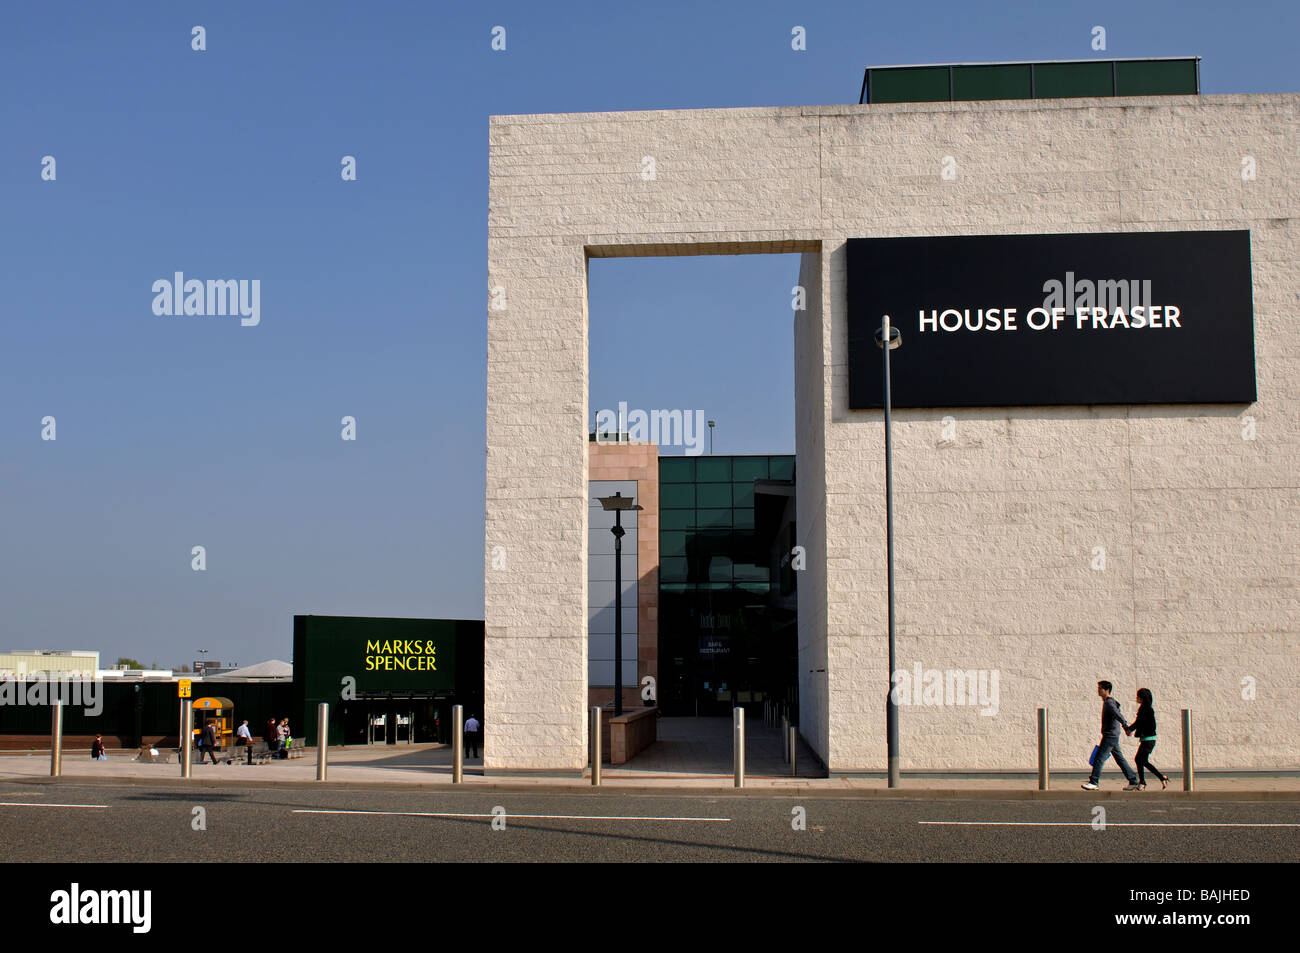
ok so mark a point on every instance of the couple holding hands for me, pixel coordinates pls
(1144, 726)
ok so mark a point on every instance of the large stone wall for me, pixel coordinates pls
(996, 527)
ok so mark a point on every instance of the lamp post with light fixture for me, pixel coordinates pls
(895, 339)
(618, 503)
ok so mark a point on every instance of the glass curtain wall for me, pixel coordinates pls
(722, 642)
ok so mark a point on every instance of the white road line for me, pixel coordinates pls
(554, 817)
(1089, 824)
(24, 804)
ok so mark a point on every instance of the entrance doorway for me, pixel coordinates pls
(397, 721)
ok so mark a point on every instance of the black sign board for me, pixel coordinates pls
(1022, 320)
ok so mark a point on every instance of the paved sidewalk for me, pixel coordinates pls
(430, 765)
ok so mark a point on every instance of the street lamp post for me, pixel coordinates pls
(618, 503)
(895, 339)
(711, 423)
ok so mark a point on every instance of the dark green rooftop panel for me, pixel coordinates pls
(1056, 79)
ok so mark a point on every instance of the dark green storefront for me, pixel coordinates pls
(404, 673)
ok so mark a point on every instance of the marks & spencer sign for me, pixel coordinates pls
(1021, 320)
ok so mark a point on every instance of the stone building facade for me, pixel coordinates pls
(999, 517)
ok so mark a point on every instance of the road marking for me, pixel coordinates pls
(553, 817)
(1089, 824)
(25, 804)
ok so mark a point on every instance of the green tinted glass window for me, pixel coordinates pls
(672, 569)
(748, 469)
(742, 494)
(926, 85)
(677, 519)
(676, 469)
(672, 544)
(743, 518)
(1156, 78)
(713, 469)
(714, 519)
(713, 494)
(991, 82)
(1060, 80)
(781, 468)
(748, 572)
(676, 496)
(719, 569)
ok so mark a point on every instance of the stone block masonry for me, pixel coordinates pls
(998, 525)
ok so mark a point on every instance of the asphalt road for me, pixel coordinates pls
(111, 822)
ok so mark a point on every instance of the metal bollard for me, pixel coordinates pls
(785, 740)
(187, 738)
(738, 746)
(1189, 774)
(596, 754)
(56, 738)
(1044, 779)
(457, 744)
(322, 739)
(793, 734)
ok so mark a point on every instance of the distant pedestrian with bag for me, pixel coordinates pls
(1112, 722)
(97, 749)
(209, 742)
(1144, 727)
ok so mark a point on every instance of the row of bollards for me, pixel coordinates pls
(789, 738)
(1044, 760)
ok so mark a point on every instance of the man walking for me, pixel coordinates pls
(1112, 723)
(209, 742)
(471, 737)
(245, 737)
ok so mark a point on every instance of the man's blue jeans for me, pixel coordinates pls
(1108, 747)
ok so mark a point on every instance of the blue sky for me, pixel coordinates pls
(181, 431)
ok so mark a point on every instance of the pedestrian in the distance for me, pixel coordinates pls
(97, 749)
(471, 737)
(209, 742)
(282, 736)
(1144, 726)
(1112, 722)
(272, 736)
(245, 737)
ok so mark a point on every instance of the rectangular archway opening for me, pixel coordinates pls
(691, 410)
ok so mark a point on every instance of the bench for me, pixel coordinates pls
(236, 754)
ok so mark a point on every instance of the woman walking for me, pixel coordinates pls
(1144, 726)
